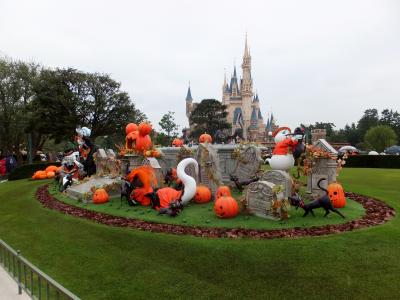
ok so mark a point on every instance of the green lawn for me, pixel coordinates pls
(99, 262)
(203, 214)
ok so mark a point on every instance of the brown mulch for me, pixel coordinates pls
(377, 212)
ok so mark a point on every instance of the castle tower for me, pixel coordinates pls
(189, 102)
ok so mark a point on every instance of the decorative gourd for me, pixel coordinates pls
(205, 138)
(51, 174)
(130, 128)
(177, 143)
(203, 194)
(51, 169)
(336, 195)
(226, 207)
(143, 143)
(144, 128)
(100, 196)
(223, 190)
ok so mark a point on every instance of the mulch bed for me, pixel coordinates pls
(377, 213)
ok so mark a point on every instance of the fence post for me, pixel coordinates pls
(19, 272)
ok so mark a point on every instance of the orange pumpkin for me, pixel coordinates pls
(177, 143)
(130, 128)
(143, 143)
(205, 138)
(155, 153)
(144, 128)
(130, 140)
(100, 196)
(59, 169)
(41, 175)
(336, 195)
(203, 194)
(51, 174)
(226, 207)
(223, 190)
(51, 169)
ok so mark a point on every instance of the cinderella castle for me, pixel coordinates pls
(243, 105)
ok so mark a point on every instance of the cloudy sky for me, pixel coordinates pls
(311, 60)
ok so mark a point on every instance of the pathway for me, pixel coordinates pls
(9, 288)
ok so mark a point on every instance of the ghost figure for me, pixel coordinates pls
(282, 157)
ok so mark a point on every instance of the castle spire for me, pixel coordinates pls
(246, 48)
(189, 94)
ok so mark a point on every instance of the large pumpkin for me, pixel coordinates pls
(177, 143)
(203, 194)
(143, 143)
(226, 207)
(100, 196)
(223, 190)
(144, 128)
(205, 138)
(41, 175)
(51, 169)
(130, 128)
(130, 140)
(51, 174)
(336, 195)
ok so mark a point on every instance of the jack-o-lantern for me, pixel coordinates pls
(177, 143)
(130, 140)
(226, 207)
(223, 190)
(51, 174)
(144, 128)
(336, 195)
(205, 138)
(203, 194)
(100, 196)
(131, 127)
(143, 143)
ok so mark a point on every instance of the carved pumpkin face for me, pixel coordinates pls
(143, 143)
(177, 143)
(100, 196)
(223, 191)
(205, 138)
(336, 195)
(130, 140)
(130, 128)
(144, 128)
(226, 207)
(203, 194)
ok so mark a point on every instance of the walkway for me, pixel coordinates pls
(9, 288)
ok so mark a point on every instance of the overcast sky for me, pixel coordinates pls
(311, 60)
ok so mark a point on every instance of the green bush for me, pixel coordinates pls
(374, 161)
(26, 171)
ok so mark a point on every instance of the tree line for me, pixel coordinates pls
(39, 104)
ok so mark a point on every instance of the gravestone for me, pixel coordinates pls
(259, 199)
(279, 177)
(248, 162)
(322, 168)
(80, 191)
(209, 167)
(101, 162)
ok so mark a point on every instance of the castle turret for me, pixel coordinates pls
(189, 102)
(247, 82)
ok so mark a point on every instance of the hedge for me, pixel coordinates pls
(373, 161)
(26, 171)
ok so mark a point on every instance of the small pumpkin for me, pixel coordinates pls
(205, 138)
(226, 207)
(155, 153)
(144, 128)
(51, 169)
(41, 175)
(203, 194)
(143, 143)
(177, 143)
(130, 128)
(223, 190)
(51, 174)
(100, 196)
(336, 195)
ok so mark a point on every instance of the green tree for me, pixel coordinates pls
(391, 118)
(208, 116)
(368, 120)
(168, 125)
(380, 137)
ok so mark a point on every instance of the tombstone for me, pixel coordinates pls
(186, 152)
(152, 161)
(101, 162)
(248, 162)
(259, 199)
(322, 168)
(279, 177)
(209, 167)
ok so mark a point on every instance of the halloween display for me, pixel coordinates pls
(100, 196)
(205, 138)
(86, 151)
(226, 207)
(222, 191)
(49, 172)
(336, 195)
(177, 143)
(203, 194)
(130, 128)
(322, 202)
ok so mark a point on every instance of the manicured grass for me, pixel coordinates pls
(203, 214)
(99, 262)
